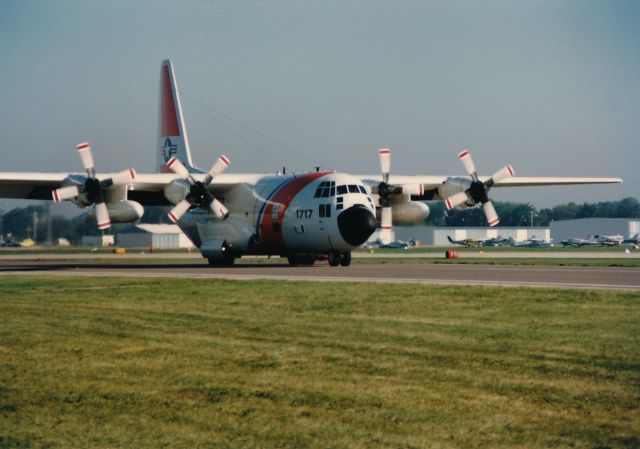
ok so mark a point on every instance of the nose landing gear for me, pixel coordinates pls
(337, 258)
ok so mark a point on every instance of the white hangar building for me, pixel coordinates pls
(437, 236)
(585, 227)
(156, 235)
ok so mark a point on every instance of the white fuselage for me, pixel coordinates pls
(280, 215)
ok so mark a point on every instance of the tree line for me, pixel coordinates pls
(37, 223)
(522, 214)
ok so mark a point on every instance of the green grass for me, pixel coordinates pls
(116, 363)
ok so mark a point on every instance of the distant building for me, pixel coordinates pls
(156, 235)
(97, 240)
(437, 236)
(590, 227)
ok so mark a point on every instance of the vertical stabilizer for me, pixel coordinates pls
(172, 134)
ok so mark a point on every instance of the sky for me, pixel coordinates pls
(551, 87)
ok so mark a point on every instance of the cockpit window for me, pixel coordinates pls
(353, 188)
(362, 189)
(325, 189)
(342, 190)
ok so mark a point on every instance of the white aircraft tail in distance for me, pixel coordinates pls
(303, 217)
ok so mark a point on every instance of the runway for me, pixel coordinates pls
(617, 278)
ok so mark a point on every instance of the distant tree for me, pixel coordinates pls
(84, 225)
(628, 208)
(19, 222)
(436, 215)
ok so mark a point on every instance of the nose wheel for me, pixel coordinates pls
(337, 258)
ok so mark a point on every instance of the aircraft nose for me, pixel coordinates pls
(356, 224)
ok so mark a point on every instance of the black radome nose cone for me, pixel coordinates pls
(356, 225)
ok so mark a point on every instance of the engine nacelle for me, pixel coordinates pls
(176, 190)
(124, 211)
(452, 186)
(77, 180)
(406, 213)
(455, 185)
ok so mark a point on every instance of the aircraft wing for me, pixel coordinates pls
(432, 182)
(30, 186)
(147, 189)
(516, 181)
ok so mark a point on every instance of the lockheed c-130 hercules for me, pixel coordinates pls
(299, 216)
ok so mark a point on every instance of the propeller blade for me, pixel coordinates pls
(178, 168)
(218, 209)
(65, 193)
(177, 212)
(385, 163)
(490, 213)
(84, 151)
(413, 189)
(386, 225)
(102, 216)
(469, 166)
(503, 173)
(124, 177)
(456, 200)
(221, 165)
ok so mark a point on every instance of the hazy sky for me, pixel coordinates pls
(552, 87)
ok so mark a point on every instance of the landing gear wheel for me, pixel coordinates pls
(226, 261)
(334, 258)
(345, 259)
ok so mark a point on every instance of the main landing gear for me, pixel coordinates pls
(337, 258)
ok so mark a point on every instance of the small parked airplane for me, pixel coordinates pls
(396, 244)
(300, 216)
(609, 240)
(532, 243)
(466, 242)
(499, 241)
(575, 241)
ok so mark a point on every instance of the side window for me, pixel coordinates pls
(362, 189)
(324, 210)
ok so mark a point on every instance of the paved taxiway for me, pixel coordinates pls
(620, 278)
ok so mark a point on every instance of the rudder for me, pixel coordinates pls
(172, 133)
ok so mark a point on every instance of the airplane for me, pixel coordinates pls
(499, 241)
(466, 242)
(532, 243)
(578, 242)
(609, 240)
(303, 217)
(634, 240)
(396, 244)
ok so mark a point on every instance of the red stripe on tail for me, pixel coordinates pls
(168, 117)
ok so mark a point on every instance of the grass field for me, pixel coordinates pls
(118, 363)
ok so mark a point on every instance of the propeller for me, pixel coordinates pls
(478, 190)
(198, 195)
(386, 190)
(93, 188)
